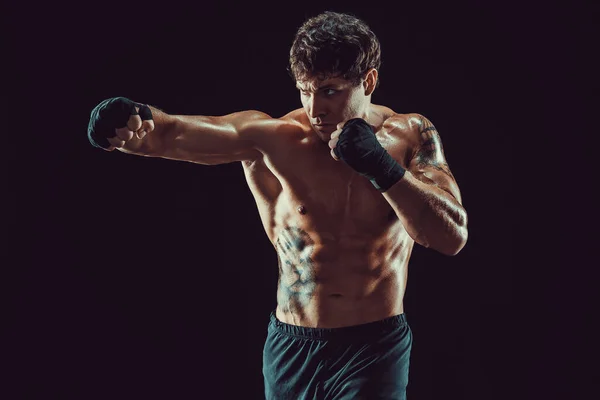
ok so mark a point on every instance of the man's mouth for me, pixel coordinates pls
(323, 126)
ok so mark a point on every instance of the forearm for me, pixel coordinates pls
(430, 215)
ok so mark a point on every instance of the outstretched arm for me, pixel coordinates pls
(201, 139)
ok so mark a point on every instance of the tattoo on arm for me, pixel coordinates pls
(430, 152)
(297, 280)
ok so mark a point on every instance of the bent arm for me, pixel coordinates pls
(201, 139)
(427, 199)
(433, 217)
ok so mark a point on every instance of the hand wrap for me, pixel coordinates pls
(358, 147)
(112, 114)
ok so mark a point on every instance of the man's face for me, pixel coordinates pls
(331, 101)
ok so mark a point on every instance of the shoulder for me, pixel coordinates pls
(293, 118)
(294, 123)
(408, 126)
(296, 118)
(271, 134)
(404, 129)
(406, 134)
(258, 123)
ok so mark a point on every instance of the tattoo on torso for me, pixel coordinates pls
(296, 270)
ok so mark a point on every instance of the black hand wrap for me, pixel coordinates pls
(112, 114)
(358, 147)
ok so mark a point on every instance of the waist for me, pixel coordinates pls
(351, 332)
(338, 310)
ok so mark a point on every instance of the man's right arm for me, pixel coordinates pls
(202, 139)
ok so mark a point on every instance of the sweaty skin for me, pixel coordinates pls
(342, 251)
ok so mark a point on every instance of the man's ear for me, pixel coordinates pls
(370, 81)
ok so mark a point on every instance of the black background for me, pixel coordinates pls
(151, 278)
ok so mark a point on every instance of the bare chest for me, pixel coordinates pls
(303, 186)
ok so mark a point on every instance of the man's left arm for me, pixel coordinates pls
(427, 199)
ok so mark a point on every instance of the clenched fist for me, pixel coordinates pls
(354, 142)
(115, 121)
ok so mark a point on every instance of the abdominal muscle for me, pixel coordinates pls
(325, 285)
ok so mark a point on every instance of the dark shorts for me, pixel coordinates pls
(368, 361)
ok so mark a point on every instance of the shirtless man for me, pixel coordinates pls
(344, 189)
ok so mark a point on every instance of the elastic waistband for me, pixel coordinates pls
(370, 329)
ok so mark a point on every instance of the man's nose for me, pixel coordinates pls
(315, 107)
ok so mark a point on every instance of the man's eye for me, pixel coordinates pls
(330, 92)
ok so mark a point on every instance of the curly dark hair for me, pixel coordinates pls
(334, 44)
